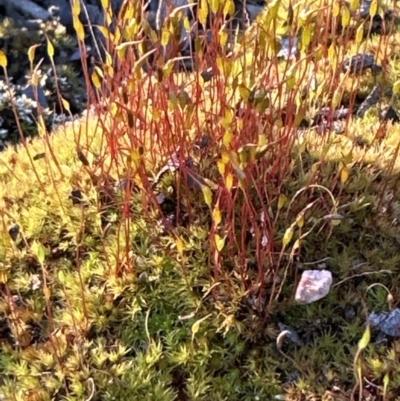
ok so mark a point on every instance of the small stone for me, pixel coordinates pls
(364, 9)
(386, 322)
(291, 335)
(360, 62)
(160, 198)
(337, 127)
(206, 75)
(4, 134)
(13, 232)
(289, 48)
(389, 114)
(39, 96)
(253, 10)
(76, 197)
(313, 286)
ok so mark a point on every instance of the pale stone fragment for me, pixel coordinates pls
(314, 285)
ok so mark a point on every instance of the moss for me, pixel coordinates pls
(101, 298)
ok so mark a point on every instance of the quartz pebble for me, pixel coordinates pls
(313, 286)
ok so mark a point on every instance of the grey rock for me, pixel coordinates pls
(386, 322)
(370, 101)
(364, 8)
(253, 10)
(116, 5)
(389, 114)
(26, 7)
(207, 75)
(289, 48)
(30, 92)
(336, 126)
(329, 113)
(159, 11)
(292, 335)
(14, 231)
(95, 15)
(64, 11)
(377, 20)
(360, 62)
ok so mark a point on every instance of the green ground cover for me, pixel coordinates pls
(151, 249)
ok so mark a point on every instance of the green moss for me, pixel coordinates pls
(96, 306)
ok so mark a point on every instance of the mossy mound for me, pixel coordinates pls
(77, 318)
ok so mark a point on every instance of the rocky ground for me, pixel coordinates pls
(26, 23)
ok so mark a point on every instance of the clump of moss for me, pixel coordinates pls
(152, 248)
